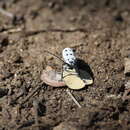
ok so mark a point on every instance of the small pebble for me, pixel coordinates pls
(127, 67)
(65, 126)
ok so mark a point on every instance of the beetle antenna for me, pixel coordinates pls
(55, 56)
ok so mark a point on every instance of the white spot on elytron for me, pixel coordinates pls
(69, 56)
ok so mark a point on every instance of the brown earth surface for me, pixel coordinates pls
(99, 30)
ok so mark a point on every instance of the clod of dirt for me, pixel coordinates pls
(65, 126)
(127, 66)
(3, 41)
(119, 18)
(4, 73)
(19, 19)
(127, 91)
(14, 57)
(3, 92)
(127, 85)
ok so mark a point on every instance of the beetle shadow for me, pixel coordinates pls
(84, 66)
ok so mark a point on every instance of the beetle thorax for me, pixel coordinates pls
(69, 56)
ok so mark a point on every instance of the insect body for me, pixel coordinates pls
(70, 71)
(70, 59)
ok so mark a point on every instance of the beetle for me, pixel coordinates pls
(70, 60)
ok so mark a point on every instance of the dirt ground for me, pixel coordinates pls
(99, 30)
